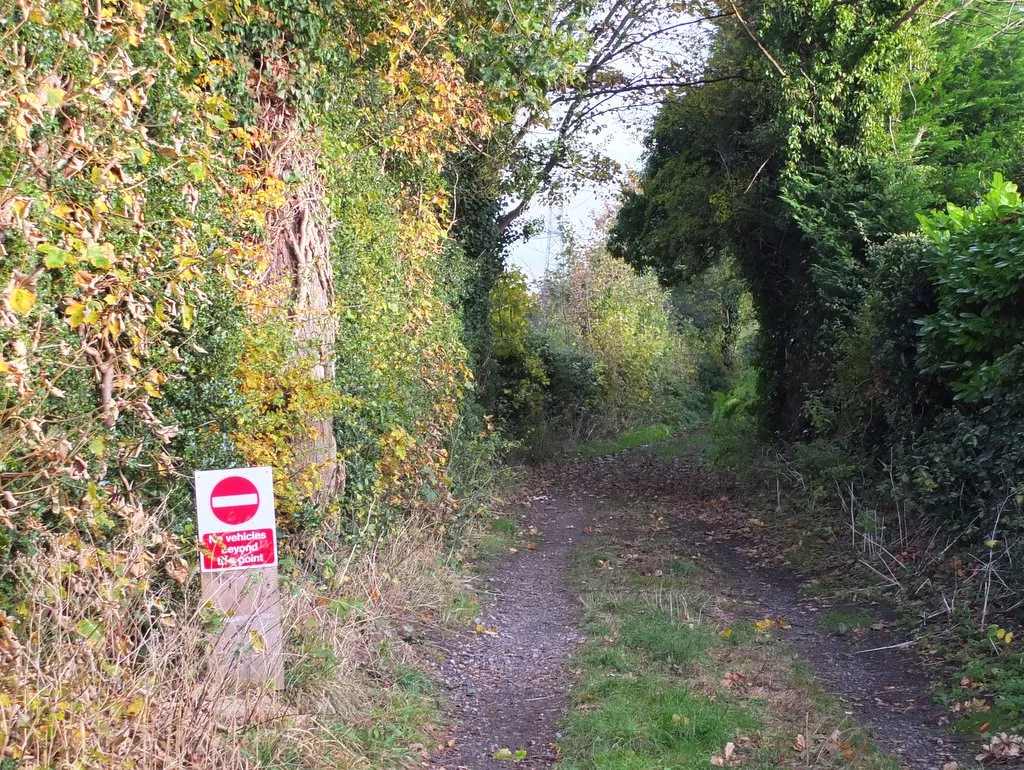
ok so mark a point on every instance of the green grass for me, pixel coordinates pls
(493, 542)
(386, 735)
(634, 709)
(652, 695)
(845, 621)
(506, 527)
(464, 608)
(413, 681)
(396, 725)
(680, 567)
(690, 443)
(664, 638)
(629, 440)
(647, 722)
(995, 720)
(995, 675)
(595, 557)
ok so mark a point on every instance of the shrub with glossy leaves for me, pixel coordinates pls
(975, 338)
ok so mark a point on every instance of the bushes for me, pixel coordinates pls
(598, 350)
(514, 373)
(613, 353)
(603, 349)
(956, 394)
(575, 389)
(926, 400)
(974, 340)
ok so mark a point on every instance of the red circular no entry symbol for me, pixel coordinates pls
(234, 500)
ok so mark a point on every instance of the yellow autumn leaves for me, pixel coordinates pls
(21, 300)
(765, 625)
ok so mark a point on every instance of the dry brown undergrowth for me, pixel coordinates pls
(97, 684)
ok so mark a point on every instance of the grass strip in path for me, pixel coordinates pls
(670, 679)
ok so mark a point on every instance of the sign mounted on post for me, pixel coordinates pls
(238, 555)
(236, 519)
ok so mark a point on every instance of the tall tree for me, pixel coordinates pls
(795, 170)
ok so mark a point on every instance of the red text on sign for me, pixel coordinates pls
(245, 548)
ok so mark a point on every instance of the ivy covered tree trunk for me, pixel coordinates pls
(299, 262)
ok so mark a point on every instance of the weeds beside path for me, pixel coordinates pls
(633, 623)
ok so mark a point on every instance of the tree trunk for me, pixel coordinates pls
(298, 245)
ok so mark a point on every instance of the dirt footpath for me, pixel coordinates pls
(509, 683)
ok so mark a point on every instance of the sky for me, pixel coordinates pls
(677, 40)
(622, 142)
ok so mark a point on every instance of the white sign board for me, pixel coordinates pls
(236, 519)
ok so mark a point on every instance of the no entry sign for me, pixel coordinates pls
(236, 518)
(234, 500)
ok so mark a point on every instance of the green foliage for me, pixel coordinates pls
(739, 401)
(733, 425)
(511, 306)
(964, 120)
(975, 338)
(518, 374)
(401, 365)
(631, 439)
(803, 153)
(920, 416)
(930, 381)
(575, 389)
(682, 218)
(716, 312)
(617, 358)
(893, 356)
(153, 282)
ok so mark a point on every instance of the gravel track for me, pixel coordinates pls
(510, 690)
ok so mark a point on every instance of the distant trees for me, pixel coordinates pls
(631, 53)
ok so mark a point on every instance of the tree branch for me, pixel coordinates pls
(757, 40)
(672, 28)
(946, 17)
(911, 13)
(575, 113)
(654, 85)
(621, 30)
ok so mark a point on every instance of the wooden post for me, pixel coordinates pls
(248, 647)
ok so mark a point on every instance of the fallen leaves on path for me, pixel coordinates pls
(971, 706)
(734, 679)
(767, 624)
(722, 531)
(727, 757)
(1002, 748)
(827, 745)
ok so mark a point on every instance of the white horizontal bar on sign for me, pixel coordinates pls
(223, 501)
